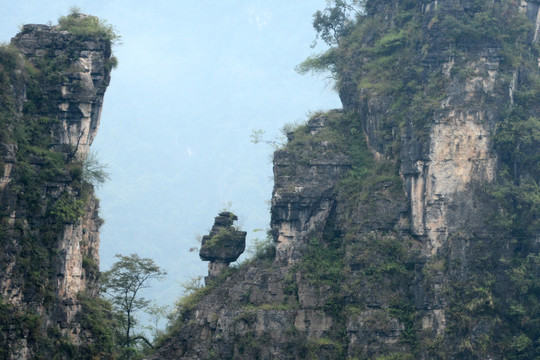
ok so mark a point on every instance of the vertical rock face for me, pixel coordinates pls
(448, 160)
(404, 226)
(50, 224)
(304, 194)
(458, 149)
(82, 83)
(440, 170)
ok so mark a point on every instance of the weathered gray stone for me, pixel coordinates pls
(75, 108)
(81, 93)
(390, 301)
(223, 245)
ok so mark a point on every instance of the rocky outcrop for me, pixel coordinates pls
(83, 74)
(49, 215)
(223, 245)
(304, 190)
(261, 308)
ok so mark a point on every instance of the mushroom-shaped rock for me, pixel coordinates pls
(223, 245)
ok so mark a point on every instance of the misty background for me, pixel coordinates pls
(195, 78)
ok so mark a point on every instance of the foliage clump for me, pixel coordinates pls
(87, 26)
(68, 209)
(93, 170)
(97, 317)
(124, 284)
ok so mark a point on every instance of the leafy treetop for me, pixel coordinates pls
(123, 284)
(336, 20)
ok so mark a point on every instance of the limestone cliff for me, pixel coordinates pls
(52, 87)
(405, 225)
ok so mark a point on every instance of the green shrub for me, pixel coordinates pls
(87, 26)
(93, 171)
(67, 209)
(97, 318)
(9, 57)
(221, 239)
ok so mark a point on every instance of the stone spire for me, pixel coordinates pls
(223, 245)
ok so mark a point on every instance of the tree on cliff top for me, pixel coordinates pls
(336, 20)
(123, 284)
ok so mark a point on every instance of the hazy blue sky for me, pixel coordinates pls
(194, 79)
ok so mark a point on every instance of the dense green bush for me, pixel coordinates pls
(68, 209)
(97, 318)
(87, 26)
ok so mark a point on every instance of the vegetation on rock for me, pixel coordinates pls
(401, 68)
(348, 277)
(83, 25)
(123, 284)
(45, 191)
